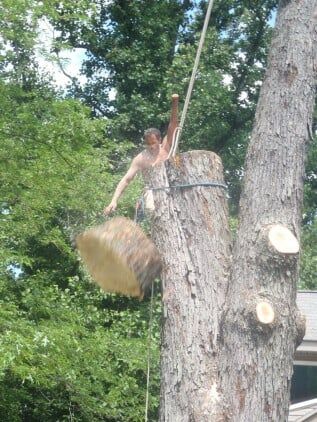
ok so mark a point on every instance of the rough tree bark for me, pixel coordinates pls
(190, 229)
(258, 355)
(236, 365)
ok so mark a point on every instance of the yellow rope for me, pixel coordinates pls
(149, 355)
(178, 130)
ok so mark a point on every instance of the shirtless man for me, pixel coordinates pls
(155, 152)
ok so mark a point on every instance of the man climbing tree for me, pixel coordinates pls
(154, 153)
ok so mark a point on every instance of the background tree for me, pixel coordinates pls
(129, 47)
(61, 338)
(59, 163)
(18, 38)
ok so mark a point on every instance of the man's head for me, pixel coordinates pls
(152, 138)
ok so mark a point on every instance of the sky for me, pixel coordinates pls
(71, 59)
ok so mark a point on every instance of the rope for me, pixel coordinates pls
(179, 129)
(149, 356)
(140, 213)
(176, 135)
(192, 185)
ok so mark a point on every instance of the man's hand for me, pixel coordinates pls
(110, 208)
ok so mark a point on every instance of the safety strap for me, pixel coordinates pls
(215, 184)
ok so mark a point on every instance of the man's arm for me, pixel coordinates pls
(124, 182)
(173, 124)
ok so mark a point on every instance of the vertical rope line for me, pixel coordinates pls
(149, 341)
(192, 79)
(175, 137)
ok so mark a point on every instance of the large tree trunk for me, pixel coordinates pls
(190, 229)
(236, 365)
(258, 352)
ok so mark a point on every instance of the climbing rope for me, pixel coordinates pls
(149, 342)
(176, 135)
(139, 215)
(178, 131)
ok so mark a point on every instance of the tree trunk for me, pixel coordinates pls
(228, 347)
(190, 229)
(262, 325)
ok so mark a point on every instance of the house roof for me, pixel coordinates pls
(307, 304)
(304, 411)
(306, 352)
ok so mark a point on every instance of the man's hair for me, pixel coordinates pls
(153, 130)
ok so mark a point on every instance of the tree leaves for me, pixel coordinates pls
(67, 350)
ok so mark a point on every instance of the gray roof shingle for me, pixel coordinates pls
(307, 304)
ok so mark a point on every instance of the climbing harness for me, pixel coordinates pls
(178, 130)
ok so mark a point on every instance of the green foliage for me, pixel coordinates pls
(310, 191)
(308, 270)
(68, 351)
(18, 29)
(64, 344)
(63, 365)
(47, 155)
(129, 47)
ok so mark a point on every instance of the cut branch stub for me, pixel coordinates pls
(283, 240)
(265, 312)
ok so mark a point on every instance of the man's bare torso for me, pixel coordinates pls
(146, 160)
(155, 153)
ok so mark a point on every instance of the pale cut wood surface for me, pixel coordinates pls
(119, 256)
(283, 240)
